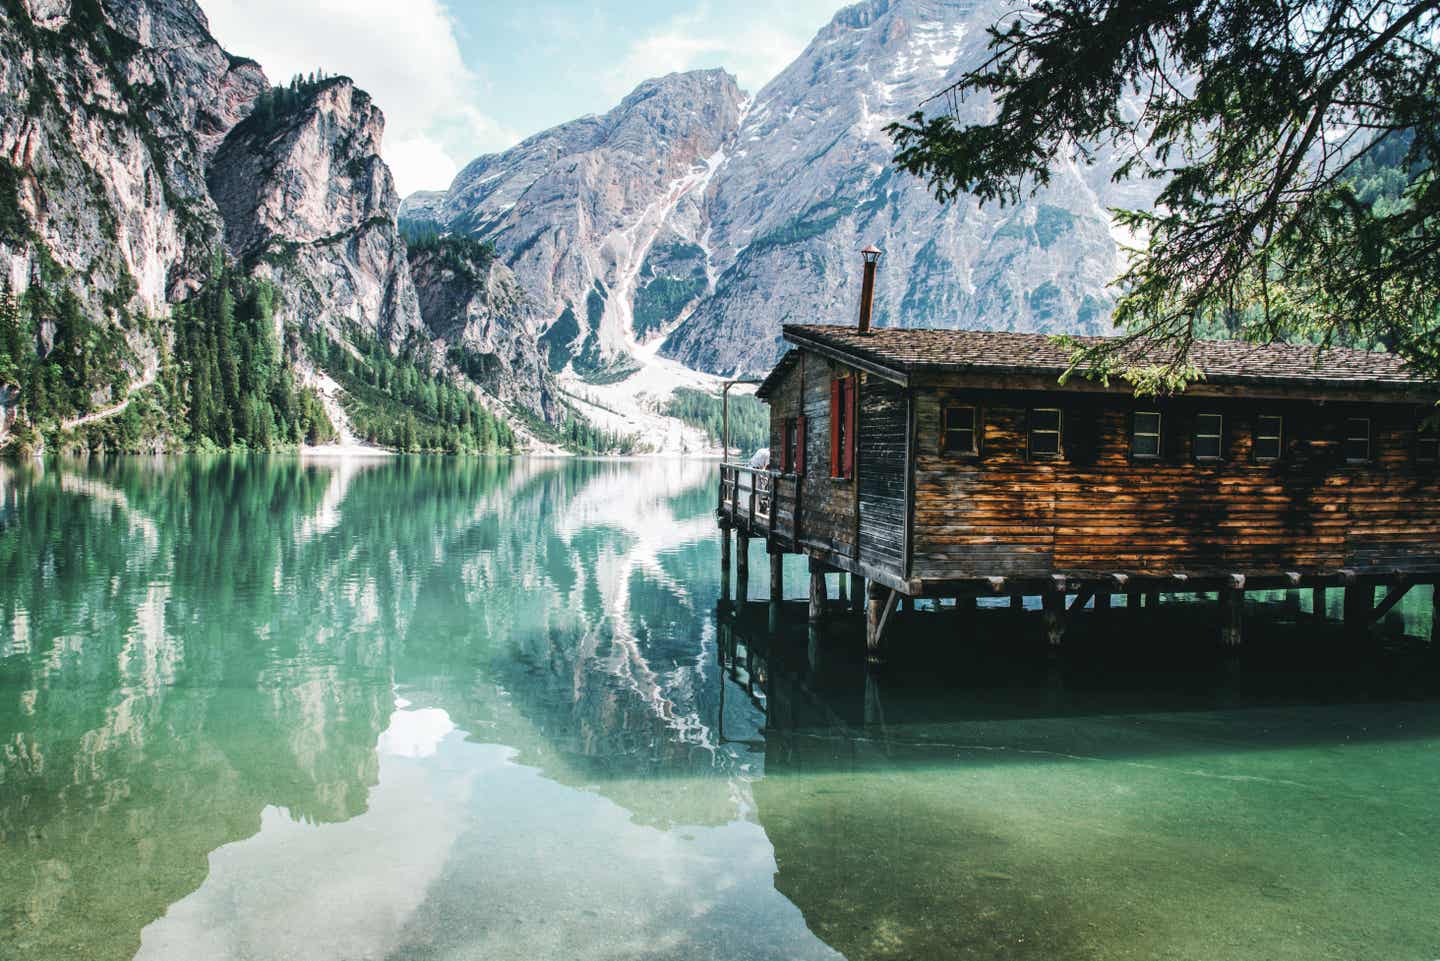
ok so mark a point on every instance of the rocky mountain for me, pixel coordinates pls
(477, 313)
(309, 205)
(602, 219)
(699, 221)
(176, 231)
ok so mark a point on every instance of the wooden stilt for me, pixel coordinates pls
(742, 567)
(1102, 601)
(1054, 603)
(817, 595)
(1292, 603)
(1017, 602)
(777, 577)
(857, 592)
(1359, 605)
(879, 604)
(724, 563)
(1152, 599)
(967, 605)
(1232, 616)
(1132, 601)
(1318, 602)
(1435, 615)
(841, 592)
(815, 648)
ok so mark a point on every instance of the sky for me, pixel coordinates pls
(457, 79)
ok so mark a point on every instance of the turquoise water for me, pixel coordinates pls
(460, 709)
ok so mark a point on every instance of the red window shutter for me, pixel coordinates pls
(850, 426)
(800, 444)
(836, 412)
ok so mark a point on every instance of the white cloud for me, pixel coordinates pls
(405, 54)
(753, 49)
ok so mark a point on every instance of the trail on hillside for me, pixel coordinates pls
(145, 380)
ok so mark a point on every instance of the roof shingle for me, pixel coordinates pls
(912, 350)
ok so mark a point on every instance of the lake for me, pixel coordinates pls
(413, 708)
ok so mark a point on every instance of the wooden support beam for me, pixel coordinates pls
(1132, 600)
(1054, 603)
(725, 562)
(1017, 602)
(1082, 597)
(841, 591)
(1435, 614)
(742, 567)
(1102, 601)
(880, 603)
(1232, 615)
(857, 592)
(1318, 602)
(777, 577)
(1394, 594)
(817, 595)
(1152, 599)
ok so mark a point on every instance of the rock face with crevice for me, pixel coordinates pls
(309, 206)
(135, 151)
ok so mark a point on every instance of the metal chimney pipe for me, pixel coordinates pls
(867, 288)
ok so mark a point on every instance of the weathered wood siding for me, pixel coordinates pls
(827, 504)
(1094, 509)
(883, 475)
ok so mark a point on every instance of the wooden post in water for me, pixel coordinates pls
(1232, 615)
(841, 595)
(1318, 602)
(1102, 601)
(879, 604)
(1152, 599)
(777, 576)
(1054, 603)
(1359, 604)
(1017, 603)
(817, 593)
(1132, 601)
(857, 592)
(742, 567)
(1435, 614)
(725, 562)
(1292, 603)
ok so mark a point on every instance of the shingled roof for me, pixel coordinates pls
(901, 352)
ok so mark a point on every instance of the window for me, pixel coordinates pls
(1209, 436)
(1427, 443)
(1269, 438)
(957, 431)
(1357, 440)
(1145, 437)
(792, 446)
(842, 427)
(1045, 426)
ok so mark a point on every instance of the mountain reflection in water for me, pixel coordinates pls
(430, 708)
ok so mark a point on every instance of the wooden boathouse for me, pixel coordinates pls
(953, 463)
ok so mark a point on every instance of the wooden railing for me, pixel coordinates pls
(747, 496)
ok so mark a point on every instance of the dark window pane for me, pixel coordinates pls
(1207, 448)
(1427, 446)
(1267, 448)
(1045, 420)
(1147, 422)
(1357, 439)
(1147, 445)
